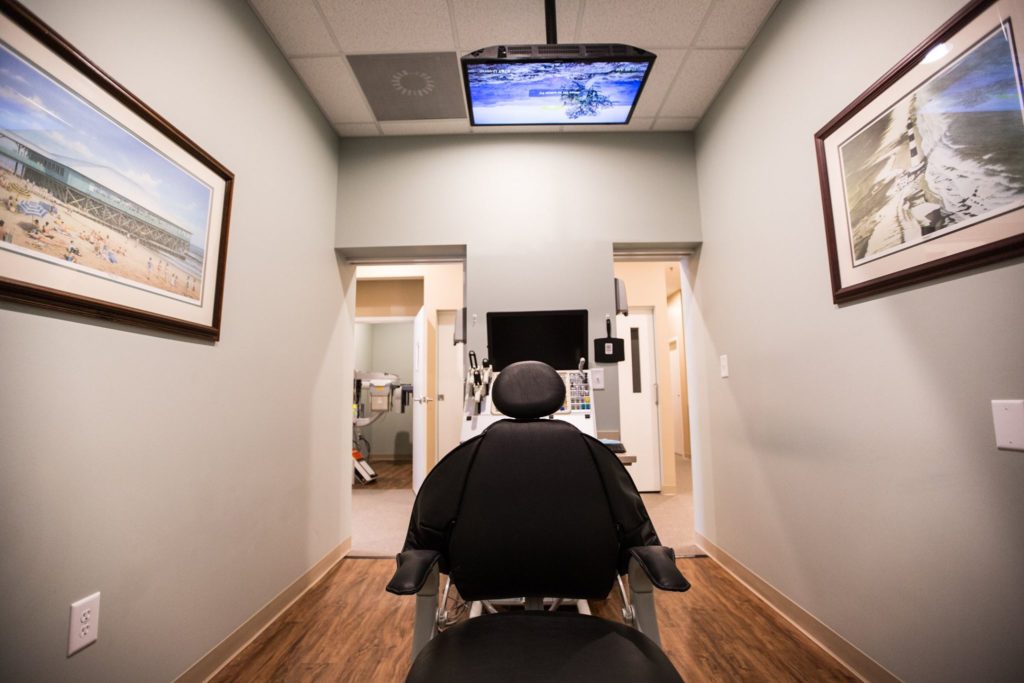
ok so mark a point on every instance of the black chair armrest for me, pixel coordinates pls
(659, 564)
(413, 569)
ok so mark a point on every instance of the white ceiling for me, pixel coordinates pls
(697, 42)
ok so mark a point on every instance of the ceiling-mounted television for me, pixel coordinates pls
(516, 85)
(558, 338)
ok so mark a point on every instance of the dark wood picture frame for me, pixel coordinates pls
(188, 305)
(840, 241)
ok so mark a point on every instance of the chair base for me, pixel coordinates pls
(529, 647)
(477, 607)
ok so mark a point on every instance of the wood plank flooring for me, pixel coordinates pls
(347, 628)
(391, 475)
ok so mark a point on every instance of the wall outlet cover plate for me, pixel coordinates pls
(1008, 418)
(84, 627)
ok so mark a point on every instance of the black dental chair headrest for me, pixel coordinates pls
(528, 389)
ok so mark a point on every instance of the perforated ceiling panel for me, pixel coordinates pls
(410, 87)
(419, 92)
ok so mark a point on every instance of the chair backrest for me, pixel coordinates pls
(532, 507)
(534, 519)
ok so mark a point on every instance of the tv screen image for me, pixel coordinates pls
(554, 92)
(558, 338)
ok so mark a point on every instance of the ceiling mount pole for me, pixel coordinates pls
(549, 18)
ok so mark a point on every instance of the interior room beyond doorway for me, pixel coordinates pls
(653, 290)
(402, 329)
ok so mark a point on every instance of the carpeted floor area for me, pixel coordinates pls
(380, 514)
(380, 518)
(673, 515)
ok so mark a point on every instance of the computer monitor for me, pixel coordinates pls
(558, 338)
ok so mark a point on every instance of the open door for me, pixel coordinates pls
(449, 407)
(420, 398)
(638, 398)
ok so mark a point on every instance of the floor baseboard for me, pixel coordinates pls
(215, 660)
(854, 659)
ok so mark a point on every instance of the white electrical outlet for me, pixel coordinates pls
(85, 623)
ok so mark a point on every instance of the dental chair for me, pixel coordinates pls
(533, 508)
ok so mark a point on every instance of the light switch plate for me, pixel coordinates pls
(597, 378)
(723, 364)
(1008, 417)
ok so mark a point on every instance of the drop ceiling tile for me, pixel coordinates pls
(434, 127)
(648, 24)
(408, 87)
(733, 23)
(635, 124)
(675, 123)
(332, 84)
(393, 26)
(658, 83)
(297, 27)
(482, 24)
(703, 74)
(356, 130)
(567, 13)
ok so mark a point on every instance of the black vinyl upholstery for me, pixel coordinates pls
(539, 647)
(413, 569)
(534, 508)
(521, 532)
(659, 563)
(528, 389)
(530, 508)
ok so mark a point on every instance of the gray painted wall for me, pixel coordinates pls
(362, 356)
(538, 214)
(849, 459)
(188, 482)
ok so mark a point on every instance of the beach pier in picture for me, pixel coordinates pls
(79, 191)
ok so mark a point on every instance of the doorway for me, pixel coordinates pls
(403, 314)
(653, 399)
(383, 345)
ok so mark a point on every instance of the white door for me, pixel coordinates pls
(638, 398)
(449, 384)
(420, 398)
(677, 398)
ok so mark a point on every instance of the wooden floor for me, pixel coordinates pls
(391, 475)
(347, 628)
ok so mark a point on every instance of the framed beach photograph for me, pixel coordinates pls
(106, 209)
(922, 175)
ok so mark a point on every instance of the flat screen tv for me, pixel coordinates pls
(558, 338)
(516, 85)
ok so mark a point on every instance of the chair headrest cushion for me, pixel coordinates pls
(528, 389)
